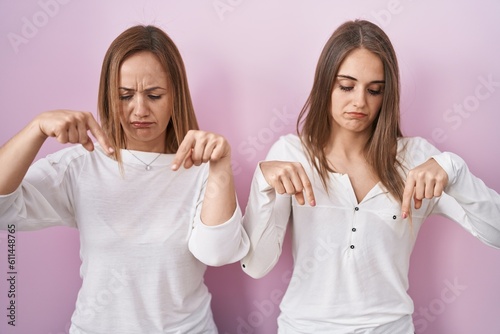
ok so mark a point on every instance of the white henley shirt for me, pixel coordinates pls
(351, 259)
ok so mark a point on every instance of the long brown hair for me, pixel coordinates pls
(315, 117)
(152, 39)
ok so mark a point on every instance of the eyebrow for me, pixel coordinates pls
(146, 90)
(354, 79)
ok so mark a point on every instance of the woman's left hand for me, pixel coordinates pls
(427, 180)
(199, 147)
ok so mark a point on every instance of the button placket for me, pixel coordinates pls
(354, 229)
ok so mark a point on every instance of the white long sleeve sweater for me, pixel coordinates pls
(144, 249)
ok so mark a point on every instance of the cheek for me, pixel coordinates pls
(123, 114)
(122, 109)
(127, 107)
(376, 104)
(165, 111)
(337, 103)
(166, 118)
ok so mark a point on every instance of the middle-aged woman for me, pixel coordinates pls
(154, 201)
(353, 240)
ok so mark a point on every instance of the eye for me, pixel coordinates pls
(125, 97)
(154, 97)
(374, 92)
(345, 88)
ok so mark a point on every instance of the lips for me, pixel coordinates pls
(356, 115)
(142, 125)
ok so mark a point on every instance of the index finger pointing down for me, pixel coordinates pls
(99, 134)
(308, 189)
(183, 152)
(407, 196)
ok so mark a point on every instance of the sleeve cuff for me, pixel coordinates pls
(198, 223)
(220, 244)
(262, 184)
(450, 163)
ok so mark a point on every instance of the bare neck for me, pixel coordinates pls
(347, 146)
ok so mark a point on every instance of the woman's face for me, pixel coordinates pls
(357, 93)
(145, 106)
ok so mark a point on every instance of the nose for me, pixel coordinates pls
(140, 108)
(359, 98)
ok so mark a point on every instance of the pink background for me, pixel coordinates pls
(250, 66)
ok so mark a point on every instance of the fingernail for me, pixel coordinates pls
(111, 150)
(405, 215)
(174, 166)
(313, 203)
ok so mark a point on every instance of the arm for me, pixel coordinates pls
(265, 221)
(37, 198)
(17, 154)
(219, 203)
(198, 147)
(470, 202)
(459, 195)
(268, 211)
(218, 237)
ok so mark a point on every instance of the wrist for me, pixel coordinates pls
(36, 130)
(224, 162)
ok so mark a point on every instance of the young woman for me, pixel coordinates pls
(353, 238)
(154, 201)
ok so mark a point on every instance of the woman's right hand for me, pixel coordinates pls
(290, 178)
(72, 127)
(17, 154)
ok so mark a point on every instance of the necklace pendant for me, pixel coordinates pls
(148, 166)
